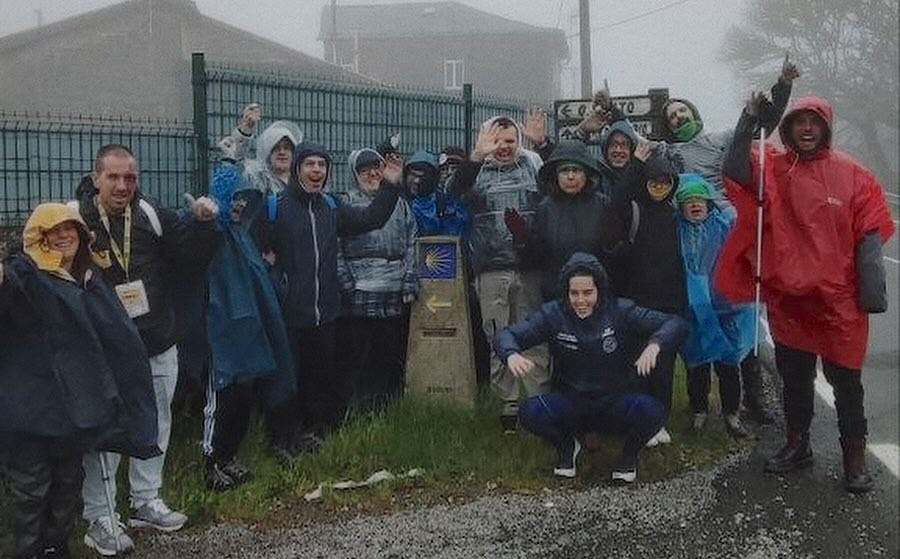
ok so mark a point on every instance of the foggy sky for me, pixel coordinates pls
(675, 48)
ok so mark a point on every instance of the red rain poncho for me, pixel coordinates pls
(815, 211)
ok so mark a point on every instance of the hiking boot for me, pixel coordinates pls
(101, 537)
(735, 426)
(565, 465)
(794, 455)
(155, 514)
(856, 476)
(625, 470)
(699, 421)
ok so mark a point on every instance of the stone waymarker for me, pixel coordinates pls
(440, 361)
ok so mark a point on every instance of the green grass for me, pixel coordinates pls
(463, 453)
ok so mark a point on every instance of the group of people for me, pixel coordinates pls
(591, 276)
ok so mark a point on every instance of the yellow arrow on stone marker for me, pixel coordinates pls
(433, 303)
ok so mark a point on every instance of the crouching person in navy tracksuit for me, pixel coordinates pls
(590, 332)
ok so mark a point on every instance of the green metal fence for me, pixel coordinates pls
(343, 115)
(43, 158)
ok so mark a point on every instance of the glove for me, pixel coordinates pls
(517, 226)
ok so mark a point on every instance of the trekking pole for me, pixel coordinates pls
(111, 508)
(757, 279)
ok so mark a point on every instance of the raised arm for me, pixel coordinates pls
(353, 220)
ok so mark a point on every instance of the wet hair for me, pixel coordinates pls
(111, 149)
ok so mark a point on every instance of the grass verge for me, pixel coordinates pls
(463, 453)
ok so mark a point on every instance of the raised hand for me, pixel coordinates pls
(535, 128)
(753, 103)
(486, 143)
(789, 70)
(393, 170)
(249, 118)
(643, 149)
(203, 208)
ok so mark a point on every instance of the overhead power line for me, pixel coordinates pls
(634, 17)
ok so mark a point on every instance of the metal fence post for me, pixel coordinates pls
(468, 113)
(201, 129)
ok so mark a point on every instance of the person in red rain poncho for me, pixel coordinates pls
(824, 221)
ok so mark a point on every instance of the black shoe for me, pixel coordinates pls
(565, 465)
(284, 450)
(510, 423)
(57, 551)
(309, 441)
(217, 479)
(625, 470)
(794, 455)
(238, 473)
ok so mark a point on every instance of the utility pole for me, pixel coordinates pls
(334, 31)
(584, 39)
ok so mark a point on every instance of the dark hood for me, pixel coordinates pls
(580, 263)
(85, 188)
(658, 165)
(568, 150)
(812, 103)
(423, 159)
(301, 152)
(622, 126)
(670, 134)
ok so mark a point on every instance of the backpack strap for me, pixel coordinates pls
(152, 216)
(271, 206)
(330, 200)
(145, 206)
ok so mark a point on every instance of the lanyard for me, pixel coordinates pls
(122, 255)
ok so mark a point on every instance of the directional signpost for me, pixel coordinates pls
(440, 361)
(643, 111)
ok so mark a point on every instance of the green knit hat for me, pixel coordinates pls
(692, 185)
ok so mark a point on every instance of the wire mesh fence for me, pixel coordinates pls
(44, 157)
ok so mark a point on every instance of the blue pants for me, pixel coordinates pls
(559, 416)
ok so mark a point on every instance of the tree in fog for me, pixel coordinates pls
(847, 51)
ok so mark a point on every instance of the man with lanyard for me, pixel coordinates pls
(146, 244)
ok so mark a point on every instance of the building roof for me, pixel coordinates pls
(206, 33)
(421, 19)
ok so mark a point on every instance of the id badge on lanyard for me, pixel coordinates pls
(132, 294)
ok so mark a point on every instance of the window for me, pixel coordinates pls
(454, 74)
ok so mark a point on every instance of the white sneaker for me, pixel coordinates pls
(155, 514)
(101, 537)
(565, 466)
(663, 436)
